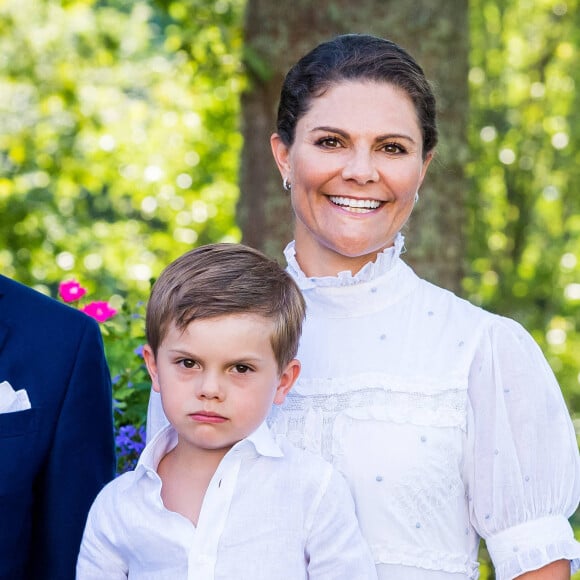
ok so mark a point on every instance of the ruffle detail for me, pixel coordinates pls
(537, 558)
(427, 560)
(316, 422)
(513, 555)
(384, 262)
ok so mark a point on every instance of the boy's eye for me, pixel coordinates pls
(187, 363)
(242, 369)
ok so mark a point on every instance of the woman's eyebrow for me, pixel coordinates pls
(378, 139)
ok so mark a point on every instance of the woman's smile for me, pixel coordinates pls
(355, 205)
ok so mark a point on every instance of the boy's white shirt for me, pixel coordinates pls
(270, 511)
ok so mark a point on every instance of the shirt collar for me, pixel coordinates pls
(261, 440)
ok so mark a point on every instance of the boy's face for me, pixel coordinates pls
(218, 379)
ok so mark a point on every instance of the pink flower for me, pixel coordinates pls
(100, 311)
(71, 291)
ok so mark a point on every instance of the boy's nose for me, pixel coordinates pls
(209, 387)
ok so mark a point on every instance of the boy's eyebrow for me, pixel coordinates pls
(249, 357)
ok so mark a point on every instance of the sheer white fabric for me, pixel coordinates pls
(445, 419)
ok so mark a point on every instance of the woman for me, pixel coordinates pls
(445, 419)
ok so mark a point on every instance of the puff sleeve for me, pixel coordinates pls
(523, 467)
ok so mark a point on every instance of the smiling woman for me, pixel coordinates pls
(355, 166)
(418, 397)
(422, 400)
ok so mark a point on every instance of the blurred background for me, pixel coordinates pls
(131, 131)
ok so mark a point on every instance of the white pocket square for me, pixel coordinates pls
(11, 400)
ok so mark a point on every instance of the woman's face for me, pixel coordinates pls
(355, 166)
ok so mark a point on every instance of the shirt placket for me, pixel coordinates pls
(212, 518)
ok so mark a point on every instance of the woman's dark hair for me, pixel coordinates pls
(355, 57)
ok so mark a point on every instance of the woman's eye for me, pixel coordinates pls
(393, 148)
(329, 142)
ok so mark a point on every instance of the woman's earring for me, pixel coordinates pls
(416, 197)
(286, 184)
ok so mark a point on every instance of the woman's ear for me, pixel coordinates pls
(281, 153)
(151, 365)
(286, 381)
(426, 162)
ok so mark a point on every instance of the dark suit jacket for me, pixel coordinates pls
(55, 457)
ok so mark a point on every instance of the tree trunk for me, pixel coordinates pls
(436, 33)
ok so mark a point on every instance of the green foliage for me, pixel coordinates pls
(524, 136)
(118, 152)
(118, 141)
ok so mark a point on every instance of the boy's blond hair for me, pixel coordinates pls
(220, 279)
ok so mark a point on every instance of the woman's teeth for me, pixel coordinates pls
(356, 205)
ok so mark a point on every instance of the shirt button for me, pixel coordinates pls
(379, 478)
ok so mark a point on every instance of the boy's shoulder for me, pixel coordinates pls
(115, 490)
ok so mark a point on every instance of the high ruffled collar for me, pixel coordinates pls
(384, 262)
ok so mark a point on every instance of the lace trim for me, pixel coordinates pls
(428, 560)
(385, 260)
(310, 422)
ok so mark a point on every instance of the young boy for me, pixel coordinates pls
(214, 496)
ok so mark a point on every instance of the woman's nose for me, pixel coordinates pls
(360, 167)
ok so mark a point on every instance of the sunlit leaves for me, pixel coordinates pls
(109, 136)
(524, 204)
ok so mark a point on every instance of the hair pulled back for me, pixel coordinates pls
(355, 57)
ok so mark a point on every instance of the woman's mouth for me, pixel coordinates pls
(355, 205)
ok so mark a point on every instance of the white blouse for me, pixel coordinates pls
(446, 421)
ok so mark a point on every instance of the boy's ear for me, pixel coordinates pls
(286, 381)
(151, 365)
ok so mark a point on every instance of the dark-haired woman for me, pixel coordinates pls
(445, 419)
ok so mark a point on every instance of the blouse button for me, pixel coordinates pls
(527, 478)
(379, 478)
(460, 343)
(430, 313)
(374, 289)
(423, 438)
(383, 336)
(417, 525)
(496, 452)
